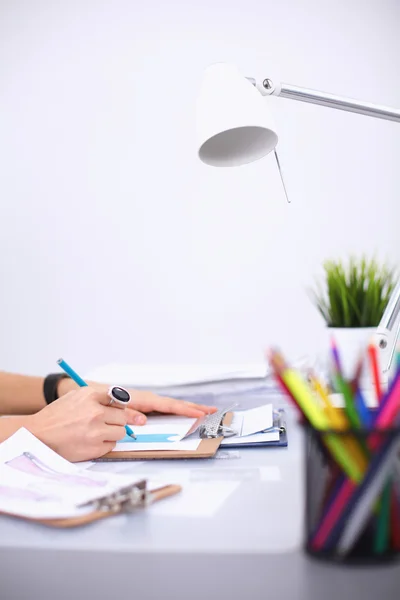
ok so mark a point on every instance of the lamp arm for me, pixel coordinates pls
(388, 331)
(268, 88)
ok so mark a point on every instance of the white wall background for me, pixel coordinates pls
(116, 243)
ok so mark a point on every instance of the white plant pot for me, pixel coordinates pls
(351, 342)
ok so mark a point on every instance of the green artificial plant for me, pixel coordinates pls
(354, 294)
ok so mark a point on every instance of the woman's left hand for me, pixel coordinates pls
(145, 402)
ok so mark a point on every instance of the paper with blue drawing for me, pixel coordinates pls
(162, 432)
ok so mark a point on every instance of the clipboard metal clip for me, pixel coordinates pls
(213, 425)
(125, 500)
(279, 420)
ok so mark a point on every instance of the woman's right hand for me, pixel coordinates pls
(80, 425)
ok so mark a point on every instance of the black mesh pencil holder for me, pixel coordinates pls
(352, 520)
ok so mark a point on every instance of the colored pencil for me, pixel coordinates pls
(395, 518)
(355, 384)
(373, 359)
(383, 521)
(336, 416)
(344, 388)
(364, 414)
(276, 364)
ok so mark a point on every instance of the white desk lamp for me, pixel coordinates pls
(234, 127)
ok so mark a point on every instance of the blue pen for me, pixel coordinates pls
(79, 381)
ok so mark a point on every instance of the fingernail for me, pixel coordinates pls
(139, 420)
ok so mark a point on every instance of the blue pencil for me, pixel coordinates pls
(79, 381)
(364, 413)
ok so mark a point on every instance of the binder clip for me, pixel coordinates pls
(125, 500)
(279, 420)
(213, 425)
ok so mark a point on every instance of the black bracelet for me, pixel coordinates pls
(50, 386)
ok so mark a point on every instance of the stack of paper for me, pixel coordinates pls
(164, 376)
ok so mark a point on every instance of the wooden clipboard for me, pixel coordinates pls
(106, 509)
(206, 449)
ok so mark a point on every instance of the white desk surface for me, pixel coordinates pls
(249, 548)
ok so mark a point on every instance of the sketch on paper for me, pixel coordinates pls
(30, 464)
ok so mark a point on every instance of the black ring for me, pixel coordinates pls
(120, 394)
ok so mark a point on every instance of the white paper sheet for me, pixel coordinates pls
(268, 436)
(86, 464)
(254, 420)
(138, 447)
(117, 466)
(198, 499)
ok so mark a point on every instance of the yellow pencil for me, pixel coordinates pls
(337, 417)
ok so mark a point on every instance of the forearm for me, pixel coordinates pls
(9, 425)
(66, 385)
(20, 394)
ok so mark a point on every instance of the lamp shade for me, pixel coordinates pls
(234, 126)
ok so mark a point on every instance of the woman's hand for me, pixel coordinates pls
(79, 425)
(144, 402)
